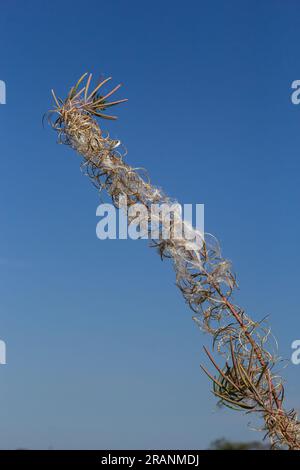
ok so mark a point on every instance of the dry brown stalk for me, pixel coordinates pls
(247, 380)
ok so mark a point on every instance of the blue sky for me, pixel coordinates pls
(101, 349)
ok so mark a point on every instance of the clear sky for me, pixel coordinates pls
(101, 349)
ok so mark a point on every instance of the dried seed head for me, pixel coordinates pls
(203, 276)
